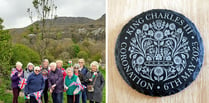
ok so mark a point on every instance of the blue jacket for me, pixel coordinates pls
(84, 71)
(34, 83)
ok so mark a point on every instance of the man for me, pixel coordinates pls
(83, 70)
(44, 70)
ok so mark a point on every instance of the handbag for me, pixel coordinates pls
(90, 88)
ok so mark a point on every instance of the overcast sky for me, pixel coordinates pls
(14, 12)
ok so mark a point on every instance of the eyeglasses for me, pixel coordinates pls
(76, 68)
(37, 70)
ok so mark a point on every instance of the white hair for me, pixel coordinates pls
(95, 63)
(81, 60)
(53, 63)
(30, 64)
(59, 61)
(76, 66)
(69, 69)
(19, 63)
(46, 60)
(37, 68)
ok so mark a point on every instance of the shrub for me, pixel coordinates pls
(96, 57)
(83, 54)
(24, 54)
(74, 50)
(5, 49)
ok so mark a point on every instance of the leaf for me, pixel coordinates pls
(161, 43)
(161, 78)
(155, 78)
(150, 25)
(155, 43)
(143, 71)
(173, 71)
(178, 69)
(172, 33)
(134, 56)
(169, 69)
(147, 70)
(166, 25)
(139, 69)
(183, 56)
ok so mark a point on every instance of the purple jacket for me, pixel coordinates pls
(15, 79)
(56, 77)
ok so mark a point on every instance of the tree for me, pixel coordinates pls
(58, 36)
(5, 49)
(24, 54)
(97, 57)
(74, 50)
(83, 54)
(45, 9)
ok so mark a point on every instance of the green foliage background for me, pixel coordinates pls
(24, 54)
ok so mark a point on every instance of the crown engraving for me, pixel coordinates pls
(157, 45)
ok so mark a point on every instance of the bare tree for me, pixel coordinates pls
(44, 10)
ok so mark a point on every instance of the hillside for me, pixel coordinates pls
(67, 26)
(62, 34)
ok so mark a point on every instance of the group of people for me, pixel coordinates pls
(77, 81)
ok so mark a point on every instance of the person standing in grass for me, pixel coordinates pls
(56, 83)
(28, 71)
(83, 70)
(72, 90)
(16, 74)
(95, 83)
(59, 66)
(35, 83)
(78, 73)
(44, 71)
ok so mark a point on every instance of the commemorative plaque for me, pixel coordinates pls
(159, 52)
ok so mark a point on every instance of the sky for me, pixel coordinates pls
(14, 12)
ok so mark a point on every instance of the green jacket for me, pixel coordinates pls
(68, 81)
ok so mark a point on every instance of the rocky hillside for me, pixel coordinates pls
(66, 38)
(77, 28)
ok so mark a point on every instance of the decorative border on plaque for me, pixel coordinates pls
(159, 52)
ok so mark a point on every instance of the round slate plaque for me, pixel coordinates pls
(159, 52)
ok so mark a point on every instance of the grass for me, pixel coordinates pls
(104, 90)
(6, 97)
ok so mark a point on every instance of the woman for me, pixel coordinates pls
(83, 70)
(70, 85)
(78, 73)
(35, 84)
(28, 71)
(81, 77)
(96, 80)
(44, 70)
(56, 83)
(16, 74)
(59, 66)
